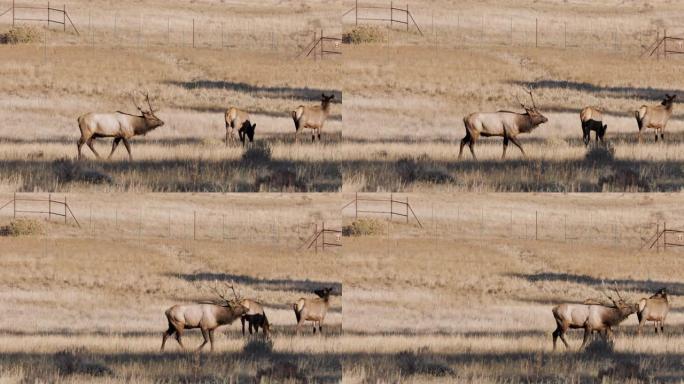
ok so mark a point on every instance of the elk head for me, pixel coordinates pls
(532, 111)
(668, 100)
(151, 120)
(624, 308)
(324, 292)
(325, 100)
(235, 303)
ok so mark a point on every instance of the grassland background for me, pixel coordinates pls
(49, 85)
(106, 294)
(434, 81)
(421, 304)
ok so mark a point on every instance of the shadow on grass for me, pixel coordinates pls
(303, 94)
(673, 288)
(304, 286)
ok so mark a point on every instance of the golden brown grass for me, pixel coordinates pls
(432, 87)
(476, 306)
(104, 291)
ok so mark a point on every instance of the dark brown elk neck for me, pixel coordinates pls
(614, 316)
(325, 106)
(226, 315)
(524, 122)
(141, 126)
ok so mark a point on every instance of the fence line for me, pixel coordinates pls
(66, 213)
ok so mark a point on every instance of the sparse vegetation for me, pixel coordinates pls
(364, 34)
(22, 227)
(364, 227)
(20, 35)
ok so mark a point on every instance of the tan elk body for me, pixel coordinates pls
(238, 121)
(592, 120)
(312, 117)
(655, 116)
(654, 309)
(503, 123)
(255, 317)
(205, 316)
(313, 310)
(119, 125)
(592, 317)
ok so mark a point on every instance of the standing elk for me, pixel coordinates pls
(592, 120)
(239, 120)
(120, 125)
(255, 317)
(205, 316)
(503, 123)
(654, 309)
(313, 310)
(655, 116)
(592, 317)
(312, 117)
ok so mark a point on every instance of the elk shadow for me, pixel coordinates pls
(271, 92)
(673, 288)
(305, 286)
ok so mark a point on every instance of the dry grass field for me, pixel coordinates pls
(441, 304)
(89, 307)
(47, 86)
(433, 83)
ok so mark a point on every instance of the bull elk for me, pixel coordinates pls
(312, 117)
(592, 317)
(120, 125)
(313, 310)
(255, 317)
(503, 123)
(592, 120)
(654, 309)
(239, 120)
(655, 116)
(205, 316)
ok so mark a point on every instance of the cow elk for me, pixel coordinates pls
(503, 123)
(312, 117)
(592, 317)
(120, 125)
(239, 120)
(655, 116)
(654, 309)
(255, 317)
(205, 316)
(313, 310)
(592, 120)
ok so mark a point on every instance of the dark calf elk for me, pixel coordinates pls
(239, 120)
(592, 120)
(312, 117)
(592, 317)
(121, 126)
(655, 116)
(503, 123)
(205, 316)
(654, 309)
(255, 317)
(313, 310)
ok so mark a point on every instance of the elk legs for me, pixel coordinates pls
(505, 146)
(79, 145)
(517, 144)
(92, 148)
(114, 145)
(128, 148)
(205, 335)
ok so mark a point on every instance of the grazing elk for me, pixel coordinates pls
(205, 316)
(313, 310)
(655, 116)
(312, 117)
(503, 123)
(592, 317)
(654, 309)
(120, 125)
(255, 317)
(592, 120)
(239, 120)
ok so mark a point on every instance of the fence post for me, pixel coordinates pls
(13, 13)
(193, 32)
(357, 12)
(536, 32)
(15, 205)
(64, 16)
(407, 17)
(391, 14)
(65, 209)
(323, 236)
(316, 240)
(665, 43)
(536, 225)
(321, 43)
(48, 16)
(391, 206)
(657, 235)
(664, 236)
(194, 225)
(356, 206)
(407, 210)
(50, 207)
(314, 52)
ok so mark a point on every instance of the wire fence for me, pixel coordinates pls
(458, 220)
(128, 28)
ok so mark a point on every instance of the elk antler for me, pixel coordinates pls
(521, 103)
(609, 298)
(147, 98)
(529, 91)
(136, 103)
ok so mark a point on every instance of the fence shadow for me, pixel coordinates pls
(673, 288)
(304, 94)
(650, 93)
